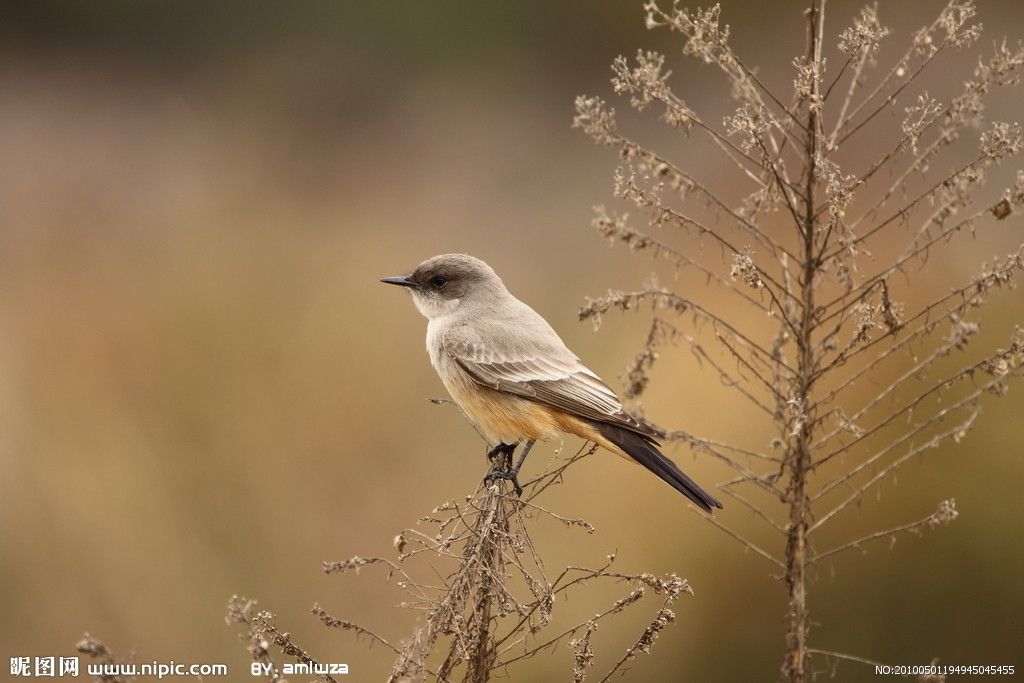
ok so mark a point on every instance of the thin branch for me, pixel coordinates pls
(954, 433)
(747, 543)
(945, 514)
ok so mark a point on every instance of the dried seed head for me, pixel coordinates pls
(744, 268)
(865, 36)
(919, 116)
(749, 124)
(596, 119)
(1000, 141)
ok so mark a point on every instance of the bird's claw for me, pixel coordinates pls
(508, 476)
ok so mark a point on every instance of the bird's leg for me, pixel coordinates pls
(522, 456)
(511, 473)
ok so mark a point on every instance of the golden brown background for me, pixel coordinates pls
(205, 391)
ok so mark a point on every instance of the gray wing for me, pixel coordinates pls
(539, 368)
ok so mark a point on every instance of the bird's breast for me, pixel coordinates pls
(434, 345)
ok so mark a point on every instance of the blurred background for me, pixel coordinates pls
(205, 391)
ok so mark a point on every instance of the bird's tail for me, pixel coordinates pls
(644, 450)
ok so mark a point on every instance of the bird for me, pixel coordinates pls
(515, 379)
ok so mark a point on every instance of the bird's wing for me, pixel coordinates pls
(547, 373)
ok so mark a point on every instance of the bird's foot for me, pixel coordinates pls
(502, 468)
(503, 451)
(494, 475)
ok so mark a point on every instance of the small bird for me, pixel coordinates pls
(515, 379)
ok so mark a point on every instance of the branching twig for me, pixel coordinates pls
(801, 373)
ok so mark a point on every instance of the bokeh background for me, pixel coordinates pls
(205, 391)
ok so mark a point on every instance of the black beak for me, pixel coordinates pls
(401, 282)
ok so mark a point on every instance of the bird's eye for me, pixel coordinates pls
(438, 282)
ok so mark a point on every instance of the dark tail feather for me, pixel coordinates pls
(644, 451)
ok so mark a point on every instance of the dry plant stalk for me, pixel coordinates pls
(96, 650)
(794, 252)
(493, 606)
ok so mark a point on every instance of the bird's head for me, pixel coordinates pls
(443, 284)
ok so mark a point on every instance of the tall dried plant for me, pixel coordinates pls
(827, 314)
(486, 600)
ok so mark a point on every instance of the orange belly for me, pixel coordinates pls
(504, 417)
(507, 418)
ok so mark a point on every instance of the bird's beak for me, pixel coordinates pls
(401, 282)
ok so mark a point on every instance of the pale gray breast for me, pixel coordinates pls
(452, 375)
